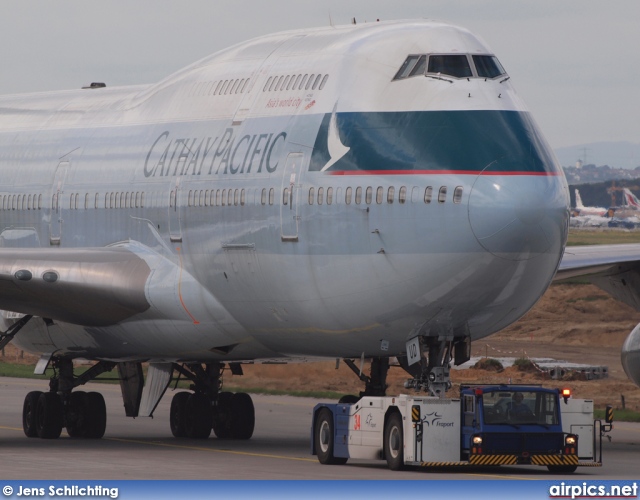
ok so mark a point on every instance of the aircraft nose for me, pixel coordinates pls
(518, 217)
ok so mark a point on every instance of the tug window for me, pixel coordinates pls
(452, 65)
(488, 66)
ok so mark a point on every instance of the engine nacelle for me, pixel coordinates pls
(630, 356)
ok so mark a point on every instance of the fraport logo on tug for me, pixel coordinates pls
(219, 155)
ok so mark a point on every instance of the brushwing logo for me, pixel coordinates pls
(334, 144)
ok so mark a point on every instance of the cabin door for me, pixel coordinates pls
(289, 203)
(175, 224)
(56, 214)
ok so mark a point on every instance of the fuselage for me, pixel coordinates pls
(314, 193)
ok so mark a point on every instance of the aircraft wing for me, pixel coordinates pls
(614, 268)
(87, 286)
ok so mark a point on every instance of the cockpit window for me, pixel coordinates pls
(405, 70)
(452, 65)
(488, 66)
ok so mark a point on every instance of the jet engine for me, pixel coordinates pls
(630, 356)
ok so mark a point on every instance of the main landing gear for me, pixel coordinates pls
(84, 414)
(194, 415)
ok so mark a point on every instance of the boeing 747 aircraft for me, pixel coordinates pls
(373, 190)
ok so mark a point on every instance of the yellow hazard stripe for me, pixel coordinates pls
(554, 459)
(589, 464)
(493, 460)
(442, 464)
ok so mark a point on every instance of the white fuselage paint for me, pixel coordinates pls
(273, 275)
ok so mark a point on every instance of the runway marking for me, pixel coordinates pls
(200, 448)
(11, 428)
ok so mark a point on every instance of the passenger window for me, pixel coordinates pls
(369, 195)
(488, 66)
(244, 86)
(296, 82)
(142, 200)
(285, 196)
(273, 82)
(217, 87)
(311, 195)
(304, 80)
(329, 196)
(39, 202)
(271, 196)
(86, 200)
(224, 196)
(263, 196)
(442, 194)
(379, 194)
(309, 82)
(402, 195)
(126, 201)
(242, 197)
(285, 83)
(457, 194)
(391, 194)
(315, 84)
(96, 201)
(190, 203)
(324, 81)
(320, 195)
(278, 85)
(428, 192)
(29, 203)
(230, 197)
(358, 195)
(452, 65)
(347, 195)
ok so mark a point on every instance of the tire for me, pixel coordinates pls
(324, 439)
(562, 469)
(221, 418)
(199, 416)
(178, 414)
(394, 442)
(49, 416)
(75, 414)
(95, 416)
(29, 412)
(243, 416)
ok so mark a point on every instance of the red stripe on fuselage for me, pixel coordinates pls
(432, 172)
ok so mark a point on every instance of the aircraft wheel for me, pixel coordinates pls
(75, 414)
(49, 416)
(325, 439)
(177, 414)
(243, 417)
(95, 416)
(199, 416)
(222, 418)
(393, 442)
(29, 412)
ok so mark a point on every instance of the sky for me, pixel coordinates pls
(575, 63)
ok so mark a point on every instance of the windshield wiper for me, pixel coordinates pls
(439, 78)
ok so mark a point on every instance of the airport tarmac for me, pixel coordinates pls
(144, 448)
